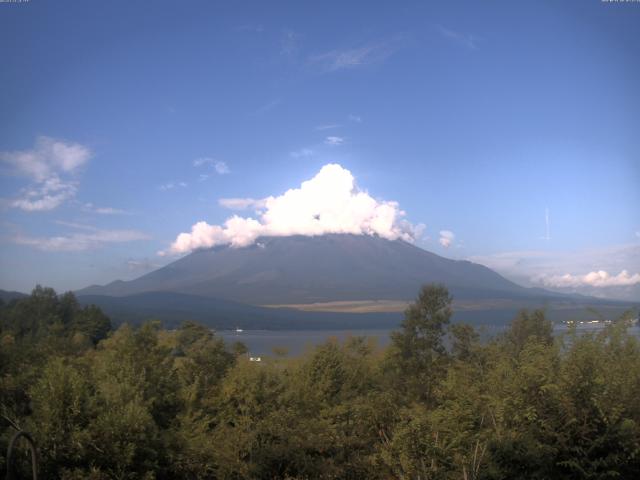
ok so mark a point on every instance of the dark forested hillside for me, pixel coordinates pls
(173, 308)
(7, 296)
(142, 403)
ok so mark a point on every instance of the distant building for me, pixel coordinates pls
(255, 359)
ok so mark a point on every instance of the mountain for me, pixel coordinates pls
(7, 296)
(328, 268)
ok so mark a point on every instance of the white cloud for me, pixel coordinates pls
(529, 267)
(49, 194)
(49, 157)
(525, 265)
(303, 152)
(463, 39)
(75, 225)
(355, 118)
(172, 185)
(219, 166)
(242, 203)
(446, 238)
(142, 265)
(80, 241)
(90, 207)
(109, 211)
(350, 58)
(198, 162)
(289, 44)
(329, 126)
(330, 202)
(50, 165)
(334, 141)
(598, 278)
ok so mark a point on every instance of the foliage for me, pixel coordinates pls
(417, 357)
(145, 403)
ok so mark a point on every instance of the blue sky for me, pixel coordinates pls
(124, 123)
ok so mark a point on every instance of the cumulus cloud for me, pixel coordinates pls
(446, 238)
(50, 165)
(598, 278)
(330, 202)
(334, 141)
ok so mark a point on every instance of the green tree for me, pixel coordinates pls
(62, 411)
(92, 322)
(417, 354)
(526, 326)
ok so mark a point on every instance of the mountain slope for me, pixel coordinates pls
(298, 269)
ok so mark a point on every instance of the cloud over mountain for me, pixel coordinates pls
(330, 202)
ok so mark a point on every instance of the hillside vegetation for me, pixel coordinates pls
(145, 403)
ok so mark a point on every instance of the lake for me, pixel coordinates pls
(262, 342)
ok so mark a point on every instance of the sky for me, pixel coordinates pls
(501, 132)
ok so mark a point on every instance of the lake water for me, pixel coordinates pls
(263, 342)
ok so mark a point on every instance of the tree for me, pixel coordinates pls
(62, 411)
(418, 354)
(529, 327)
(92, 322)
(464, 341)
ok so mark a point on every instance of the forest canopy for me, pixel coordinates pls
(141, 402)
